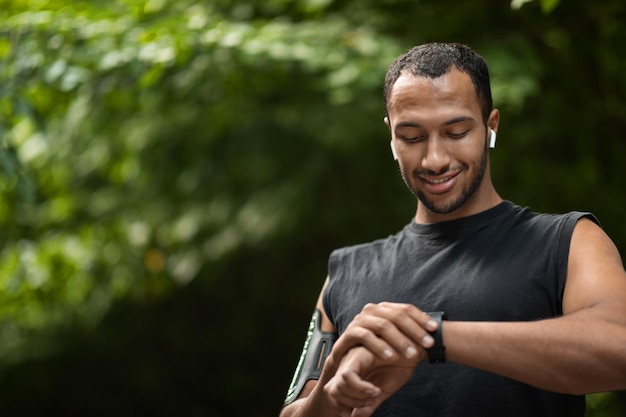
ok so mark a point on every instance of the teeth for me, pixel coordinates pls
(440, 181)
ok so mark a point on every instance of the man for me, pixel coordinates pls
(478, 307)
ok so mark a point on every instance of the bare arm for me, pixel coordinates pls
(311, 402)
(382, 330)
(580, 352)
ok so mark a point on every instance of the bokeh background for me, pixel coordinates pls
(174, 175)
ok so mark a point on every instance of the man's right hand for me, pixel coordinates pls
(393, 333)
(363, 381)
(389, 330)
(376, 355)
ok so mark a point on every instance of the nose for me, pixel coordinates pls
(436, 158)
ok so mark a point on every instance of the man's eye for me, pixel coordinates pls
(413, 139)
(458, 135)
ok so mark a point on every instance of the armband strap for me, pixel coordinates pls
(316, 348)
(437, 353)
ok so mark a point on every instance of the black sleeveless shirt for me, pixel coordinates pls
(504, 264)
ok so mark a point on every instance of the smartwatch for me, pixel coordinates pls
(437, 353)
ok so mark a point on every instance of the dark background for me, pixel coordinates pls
(174, 175)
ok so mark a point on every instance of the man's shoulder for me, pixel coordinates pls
(373, 246)
(559, 219)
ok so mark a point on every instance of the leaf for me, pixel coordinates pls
(548, 5)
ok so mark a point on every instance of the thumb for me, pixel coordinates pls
(329, 369)
(364, 411)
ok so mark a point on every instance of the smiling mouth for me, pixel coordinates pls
(439, 184)
(439, 180)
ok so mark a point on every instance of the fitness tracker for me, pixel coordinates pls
(437, 353)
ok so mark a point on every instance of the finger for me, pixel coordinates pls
(364, 411)
(366, 334)
(402, 326)
(352, 393)
(357, 388)
(348, 391)
(409, 320)
(382, 327)
(389, 329)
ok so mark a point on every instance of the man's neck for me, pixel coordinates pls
(426, 216)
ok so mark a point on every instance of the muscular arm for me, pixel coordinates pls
(582, 351)
(381, 331)
(311, 401)
(579, 352)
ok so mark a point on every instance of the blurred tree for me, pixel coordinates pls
(174, 175)
(144, 140)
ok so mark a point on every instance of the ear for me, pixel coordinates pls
(393, 150)
(492, 127)
(494, 120)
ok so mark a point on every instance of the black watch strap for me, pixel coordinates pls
(437, 353)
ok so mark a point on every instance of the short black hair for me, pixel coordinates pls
(436, 59)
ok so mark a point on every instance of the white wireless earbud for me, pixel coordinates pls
(393, 151)
(492, 139)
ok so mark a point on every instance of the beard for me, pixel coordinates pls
(463, 197)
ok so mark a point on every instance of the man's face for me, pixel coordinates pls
(439, 136)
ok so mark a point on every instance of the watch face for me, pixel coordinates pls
(437, 353)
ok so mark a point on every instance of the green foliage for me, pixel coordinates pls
(605, 405)
(136, 130)
(546, 5)
(209, 154)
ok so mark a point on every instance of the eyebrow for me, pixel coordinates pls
(458, 120)
(446, 123)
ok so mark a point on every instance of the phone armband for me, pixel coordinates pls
(316, 348)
